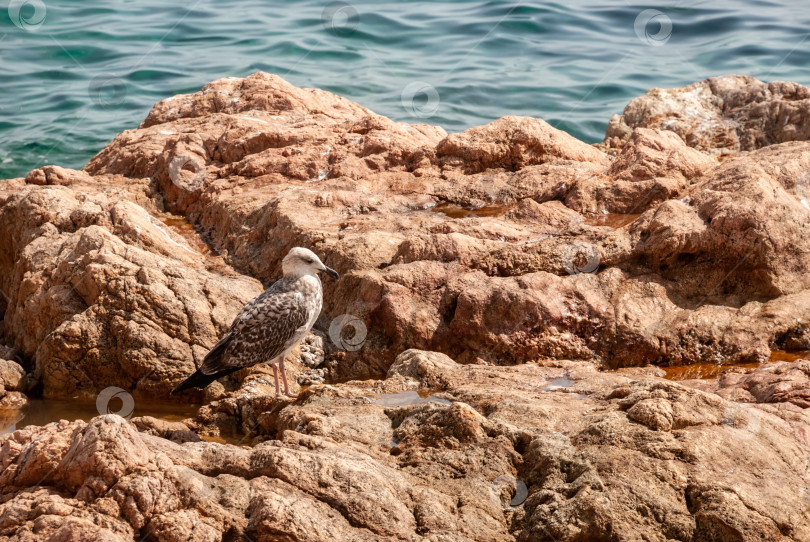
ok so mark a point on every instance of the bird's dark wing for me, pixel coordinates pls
(262, 330)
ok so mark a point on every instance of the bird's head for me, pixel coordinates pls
(301, 261)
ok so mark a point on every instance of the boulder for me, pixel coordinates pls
(527, 452)
(103, 292)
(725, 114)
(506, 243)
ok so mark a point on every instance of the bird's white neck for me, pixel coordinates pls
(296, 272)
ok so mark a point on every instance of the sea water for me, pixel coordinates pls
(73, 74)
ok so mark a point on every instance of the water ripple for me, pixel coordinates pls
(92, 71)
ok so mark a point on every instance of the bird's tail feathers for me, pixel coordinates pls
(200, 379)
(213, 359)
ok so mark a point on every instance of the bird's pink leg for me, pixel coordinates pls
(275, 374)
(284, 378)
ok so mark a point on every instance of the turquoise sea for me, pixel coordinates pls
(73, 74)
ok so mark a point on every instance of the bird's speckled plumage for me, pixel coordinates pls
(270, 325)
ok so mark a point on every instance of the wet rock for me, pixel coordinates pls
(174, 431)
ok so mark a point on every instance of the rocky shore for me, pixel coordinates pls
(491, 364)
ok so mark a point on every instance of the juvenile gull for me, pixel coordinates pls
(270, 325)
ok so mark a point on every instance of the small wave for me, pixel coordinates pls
(90, 72)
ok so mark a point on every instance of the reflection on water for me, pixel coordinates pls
(180, 225)
(611, 220)
(704, 371)
(558, 384)
(45, 411)
(781, 355)
(457, 211)
(408, 398)
(9, 420)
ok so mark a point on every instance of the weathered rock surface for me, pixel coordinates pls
(721, 114)
(101, 292)
(684, 237)
(716, 266)
(603, 456)
(13, 383)
(784, 383)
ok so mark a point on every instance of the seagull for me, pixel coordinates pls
(270, 325)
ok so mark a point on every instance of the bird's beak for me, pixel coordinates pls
(331, 272)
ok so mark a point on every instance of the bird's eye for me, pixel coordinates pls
(309, 260)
